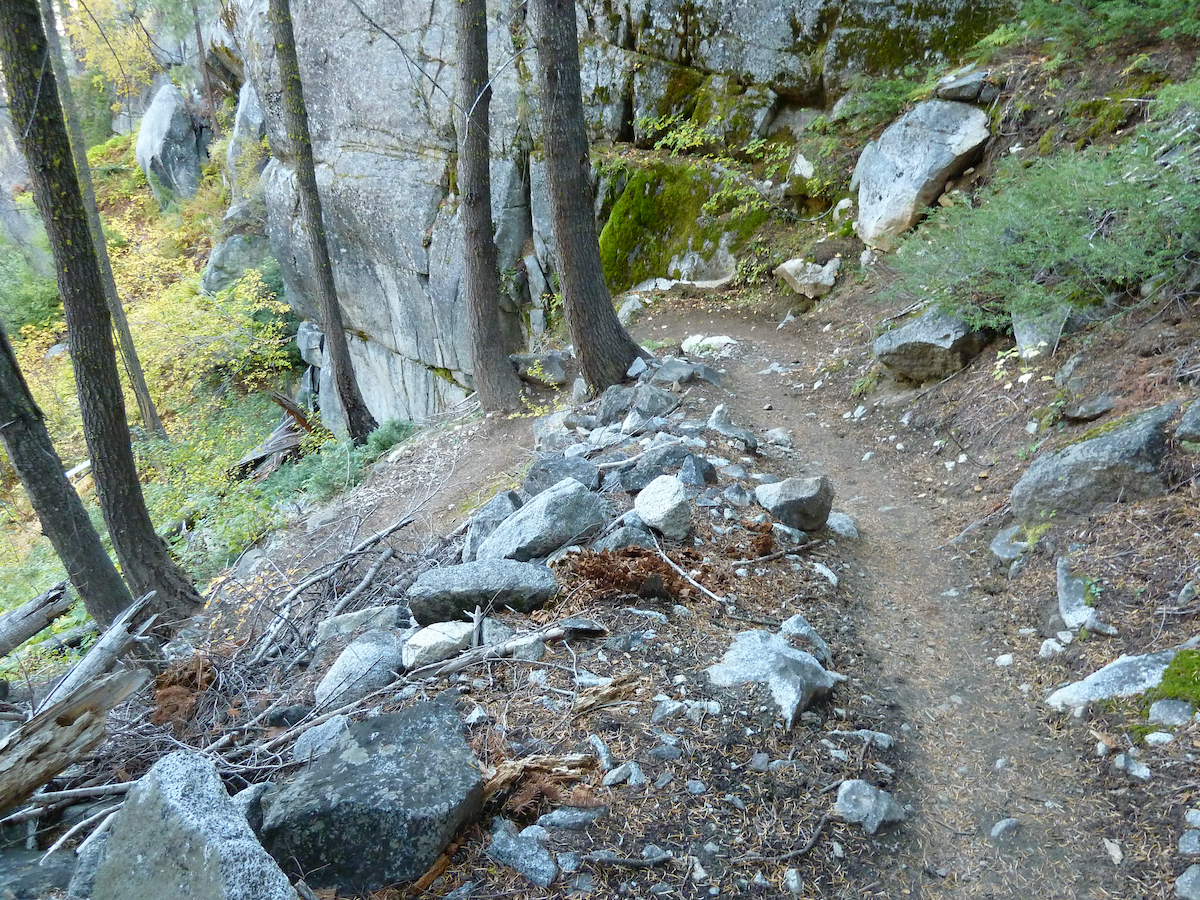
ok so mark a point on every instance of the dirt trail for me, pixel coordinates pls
(977, 749)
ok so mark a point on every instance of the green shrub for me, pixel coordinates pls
(1073, 228)
(25, 299)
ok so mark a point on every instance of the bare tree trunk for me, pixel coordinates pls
(358, 419)
(133, 365)
(495, 378)
(208, 94)
(37, 119)
(64, 520)
(605, 350)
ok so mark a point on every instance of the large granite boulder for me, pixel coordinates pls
(245, 155)
(929, 347)
(444, 594)
(564, 513)
(548, 469)
(168, 147)
(1119, 464)
(380, 806)
(487, 519)
(906, 170)
(1125, 676)
(180, 834)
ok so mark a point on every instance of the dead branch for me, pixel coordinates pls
(60, 734)
(104, 654)
(778, 554)
(22, 623)
(688, 578)
(564, 630)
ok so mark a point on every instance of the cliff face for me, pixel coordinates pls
(379, 83)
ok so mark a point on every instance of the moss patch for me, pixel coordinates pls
(1181, 681)
(659, 216)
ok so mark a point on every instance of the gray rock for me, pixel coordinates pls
(793, 677)
(1189, 843)
(652, 401)
(1007, 546)
(1187, 885)
(802, 503)
(249, 803)
(1089, 410)
(906, 170)
(1038, 335)
(21, 878)
(624, 537)
(808, 278)
(697, 471)
(653, 464)
(842, 525)
(779, 437)
(861, 803)
(797, 626)
(552, 433)
(545, 369)
(83, 881)
(366, 665)
(564, 513)
(1192, 818)
(1123, 677)
(1005, 827)
(721, 422)
(381, 806)
(738, 495)
(960, 87)
(436, 642)
(1075, 597)
(615, 402)
(572, 818)
(524, 854)
(168, 147)
(445, 593)
(1135, 770)
(484, 522)
(930, 347)
(679, 371)
(375, 617)
(663, 504)
(310, 341)
(880, 739)
(231, 258)
(1189, 425)
(180, 828)
(1171, 712)
(319, 739)
(628, 311)
(1120, 464)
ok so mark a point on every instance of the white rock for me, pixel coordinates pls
(436, 642)
(663, 505)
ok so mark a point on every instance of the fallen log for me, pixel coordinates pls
(19, 625)
(60, 735)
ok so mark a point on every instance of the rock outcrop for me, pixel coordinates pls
(929, 347)
(398, 265)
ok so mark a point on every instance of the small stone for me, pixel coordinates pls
(1192, 817)
(524, 854)
(1050, 648)
(841, 524)
(1005, 827)
(1137, 771)
(1189, 843)
(860, 802)
(1171, 712)
(663, 780)
(792, 882)
(1004, 659)
(603, 754)
(759, 762)
(779, 437)
(695, 786)
(1187, 885)
(573, 818)
(1158, 739)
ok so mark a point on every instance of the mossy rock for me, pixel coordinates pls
(660, 216)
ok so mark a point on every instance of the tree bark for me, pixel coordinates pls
(605, 350)
(38, 121)
(202, 62)
(20, 624)
(64, 520)
(496, 382)
(133, 365)
(358, 419)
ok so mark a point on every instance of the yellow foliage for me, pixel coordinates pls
(112, 39)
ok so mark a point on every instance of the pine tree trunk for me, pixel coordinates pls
(208, 94)
(605, 350)
(64, 520)
(133, 365)
(38, 121)
(496, 380)
(358, 419)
